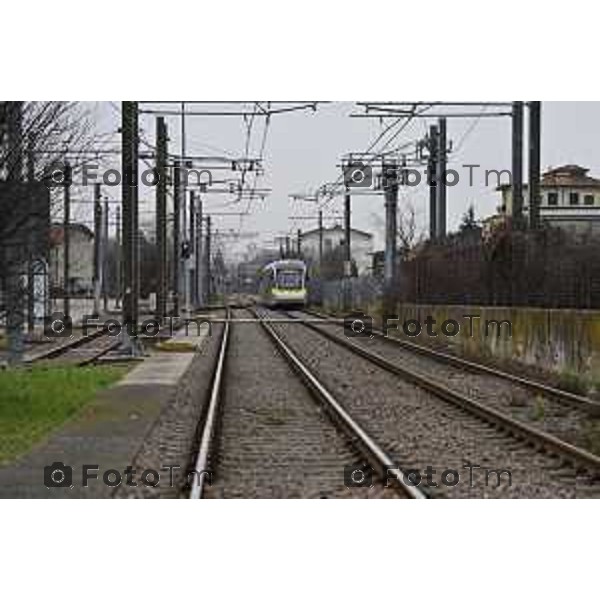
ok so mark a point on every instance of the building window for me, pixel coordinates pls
(553, 199)
(573, 198)
(588, 200)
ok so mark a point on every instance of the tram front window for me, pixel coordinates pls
(289, 280)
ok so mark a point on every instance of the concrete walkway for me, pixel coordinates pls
(108, 432)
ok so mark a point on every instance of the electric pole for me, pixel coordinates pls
(103, 257)
(320, 241)
(208, 269)
(191, 272)
(66, 239)
(347, 232)
(161, 217)
(390, 186)
(432, 143)
(97, 241)
(118, 265)
(176, 236)
(129, 157)
(517, 162)
(535, 109)
(14, 286)
(198, 254)
(441, 179)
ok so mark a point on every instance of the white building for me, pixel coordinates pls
(361, 245)
(570, 199)
(81, 257)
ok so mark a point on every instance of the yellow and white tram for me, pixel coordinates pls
(283, 282)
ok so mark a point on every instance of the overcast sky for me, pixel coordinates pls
(303, 151)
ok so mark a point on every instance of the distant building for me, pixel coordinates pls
(81, 257)
(361, 245)
(570, 199)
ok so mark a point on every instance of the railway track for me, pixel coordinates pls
(561, 414)
(548, 466)
(80, 351)
(263, 434)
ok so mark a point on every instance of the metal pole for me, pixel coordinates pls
(14, 286)
(432, 176)
(299, 242)
(320, 241)
(347, 232)
(390, 186)
(66, 240)
(517, 162)
(534, 163)
(135, 212)
(199, 263)
(176, 238)
(104, 256)
(183, 274)
(441, 180)
(97, 242)
(128, 219)
(192, 285)
(118, 262)
(31, 256)
(161, 216)
(208, 286)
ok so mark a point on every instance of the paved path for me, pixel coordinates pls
(108, 432)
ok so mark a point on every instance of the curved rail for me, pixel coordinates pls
(202, 461)
(524, 431)
(377, 458)
(530, 384)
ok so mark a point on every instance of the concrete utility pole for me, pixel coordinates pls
(441, 180)
(390, 186)
(198, 255)
(118, 265)
(161, 216)
(98, 221)
(14, 287)
(104, 256)
(66, 240)
(30, 266)
(517, 162)
(176, 235)
(347, 235)
(129, 157)
(432, 144)
(191, 272)
(320, 240)
(535, 140)
(136, 221)
(208, 269)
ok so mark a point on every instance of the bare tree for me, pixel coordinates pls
(34, 136)
(410, 231)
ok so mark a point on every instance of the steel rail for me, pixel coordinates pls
(377, 458)
(202, 461)
(535, 386)
(486, 413)
(66, 347)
